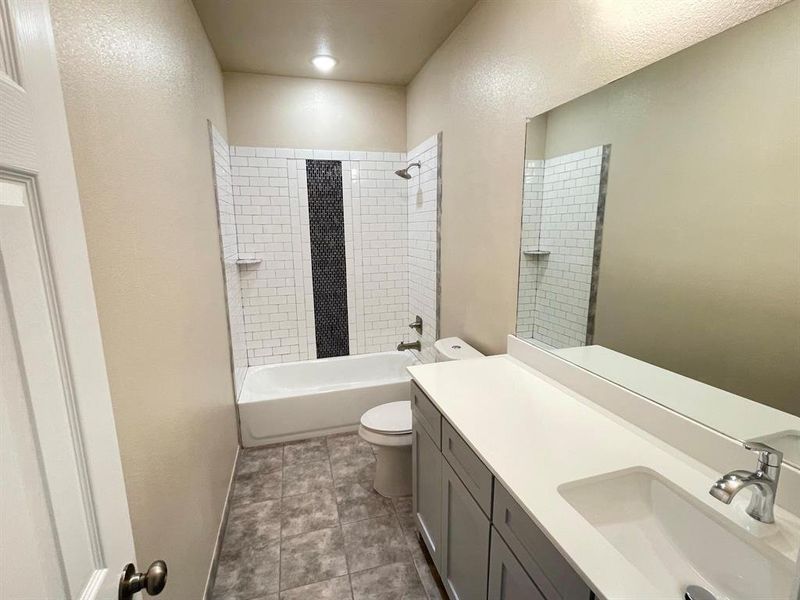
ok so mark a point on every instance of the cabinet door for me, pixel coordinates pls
(426, 465)
(552, 573)
(465, 540)
(507, 579)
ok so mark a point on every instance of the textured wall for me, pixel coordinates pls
(505, 62)
(140, 81)
(294, 112)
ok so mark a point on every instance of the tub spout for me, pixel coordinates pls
(410, 346)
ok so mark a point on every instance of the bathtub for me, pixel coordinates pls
(292, 401)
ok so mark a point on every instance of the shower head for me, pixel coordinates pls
(404, 172)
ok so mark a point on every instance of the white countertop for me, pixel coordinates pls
(535, 435)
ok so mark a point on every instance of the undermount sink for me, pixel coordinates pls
(675, 541)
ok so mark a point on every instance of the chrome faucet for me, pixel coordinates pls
(410, 346)
(763, 481)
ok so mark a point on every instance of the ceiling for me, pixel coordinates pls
(378, 41)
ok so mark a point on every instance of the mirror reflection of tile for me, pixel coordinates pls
(562, 210)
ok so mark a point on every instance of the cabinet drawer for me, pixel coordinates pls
(468, 466)
(507, 579)
(549, 570)
(426, 413)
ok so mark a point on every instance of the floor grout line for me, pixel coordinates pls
(339, 516)
(280, 524)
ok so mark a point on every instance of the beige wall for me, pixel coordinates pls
(139, 81)
(294, 112)
(700, 266)
(507, 61)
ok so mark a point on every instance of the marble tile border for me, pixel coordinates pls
(598, 242)
(438, 234)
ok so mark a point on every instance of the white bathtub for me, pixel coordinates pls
(292, 401)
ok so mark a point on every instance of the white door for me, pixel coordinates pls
(65, 530)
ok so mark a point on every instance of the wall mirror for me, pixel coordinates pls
(660, 240)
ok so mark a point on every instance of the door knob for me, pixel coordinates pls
(152, 582)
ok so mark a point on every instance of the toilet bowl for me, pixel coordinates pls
(388, 428)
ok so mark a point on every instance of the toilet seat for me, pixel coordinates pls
(388, 429)
(392, 418)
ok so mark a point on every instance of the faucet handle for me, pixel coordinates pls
(767, 455)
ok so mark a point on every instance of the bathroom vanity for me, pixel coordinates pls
(469, 522)
(525, 489)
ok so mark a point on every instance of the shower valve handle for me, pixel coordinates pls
(417, 324)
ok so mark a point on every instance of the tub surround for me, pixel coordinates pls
(522, 424)
(390, 229)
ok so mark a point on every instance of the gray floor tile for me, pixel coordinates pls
(377, 540)
(235, 596)
(333, 589)
(354, 467)
(397, 581)
(407, 521)
(305, 451)
(403, 505)
(312, 557)
(257, 524)
(249, 572)
(345, 445)
(306, 477)
(308, 512)
(374, 542)
(359, 501)
(256, 487)
(260, 460)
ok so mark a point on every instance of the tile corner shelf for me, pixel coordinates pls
(536, 252)
(248, 260)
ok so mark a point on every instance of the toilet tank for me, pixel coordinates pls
(454, 348)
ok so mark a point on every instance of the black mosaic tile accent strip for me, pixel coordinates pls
(328, 267)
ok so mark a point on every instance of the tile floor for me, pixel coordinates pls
(305, 524)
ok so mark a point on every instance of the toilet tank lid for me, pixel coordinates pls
(455, 348)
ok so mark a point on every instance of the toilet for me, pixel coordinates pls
(388, 428)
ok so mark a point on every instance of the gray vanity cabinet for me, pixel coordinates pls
(507, 579)
(552, 573)
(426, 473)
(459, 507)
(465, 540)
